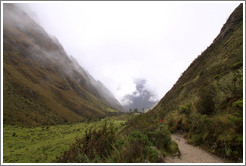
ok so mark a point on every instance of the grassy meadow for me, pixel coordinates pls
(43, 144)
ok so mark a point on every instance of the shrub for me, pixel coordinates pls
(136, 153)
(95, 146)
(159, 136)
(230, 146)
(185, 109)
(139, 138)
(206, 103)
(136, 148)
(201, 129)
(236, 65)
(238, 103)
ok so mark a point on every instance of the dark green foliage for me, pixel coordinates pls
(238, 104)
(206, 103)
(237, 82)
(142, 146)
(103, 145)
(139, 138)
(95, 146)
(139, 122)
(229, 143)
(137, 149)
(133, 144)
(157, 133)
(185, 109)
(161, 138)
(237, 65)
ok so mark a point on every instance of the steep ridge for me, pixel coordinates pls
(206, 103)
(41, 84)
(97, 88)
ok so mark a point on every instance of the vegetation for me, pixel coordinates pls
(111, 139)
(206, 103)
(122, 145)
(95, 146)
(42, 144)
(41, 84)
(52, 111)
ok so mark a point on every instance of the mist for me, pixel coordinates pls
(119, 42)
(49, 55)
(141, 99)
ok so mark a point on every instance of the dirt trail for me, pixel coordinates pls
(191, 154)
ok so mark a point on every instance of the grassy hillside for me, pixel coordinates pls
(206, 103)
(41, 85)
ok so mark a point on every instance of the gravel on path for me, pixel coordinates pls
(191, 154)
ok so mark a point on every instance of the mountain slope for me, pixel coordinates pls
(97, 88)
(41, 84)
(207, 101)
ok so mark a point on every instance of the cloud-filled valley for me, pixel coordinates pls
(119, 42)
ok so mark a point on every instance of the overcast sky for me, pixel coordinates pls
(118, 42)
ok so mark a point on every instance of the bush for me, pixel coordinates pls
(236, 65)
(159, 136)
(141, 142)
(95, 146)
(136, 148)
(185, 109)
(206, 103)
(238, 104)
(139, 138)
(230, 146)
(221, 137)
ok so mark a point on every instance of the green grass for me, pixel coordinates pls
(112, 110)
(43, 144)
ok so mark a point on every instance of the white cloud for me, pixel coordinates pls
(118, 42)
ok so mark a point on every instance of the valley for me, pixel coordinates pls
(55, 111)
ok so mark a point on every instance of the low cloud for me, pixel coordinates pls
(118, 42)
(141, 99)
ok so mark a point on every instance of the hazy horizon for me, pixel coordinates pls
(119, 42)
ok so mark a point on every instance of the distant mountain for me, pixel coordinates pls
(41, 84)
(206, 103)
(141, 99)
